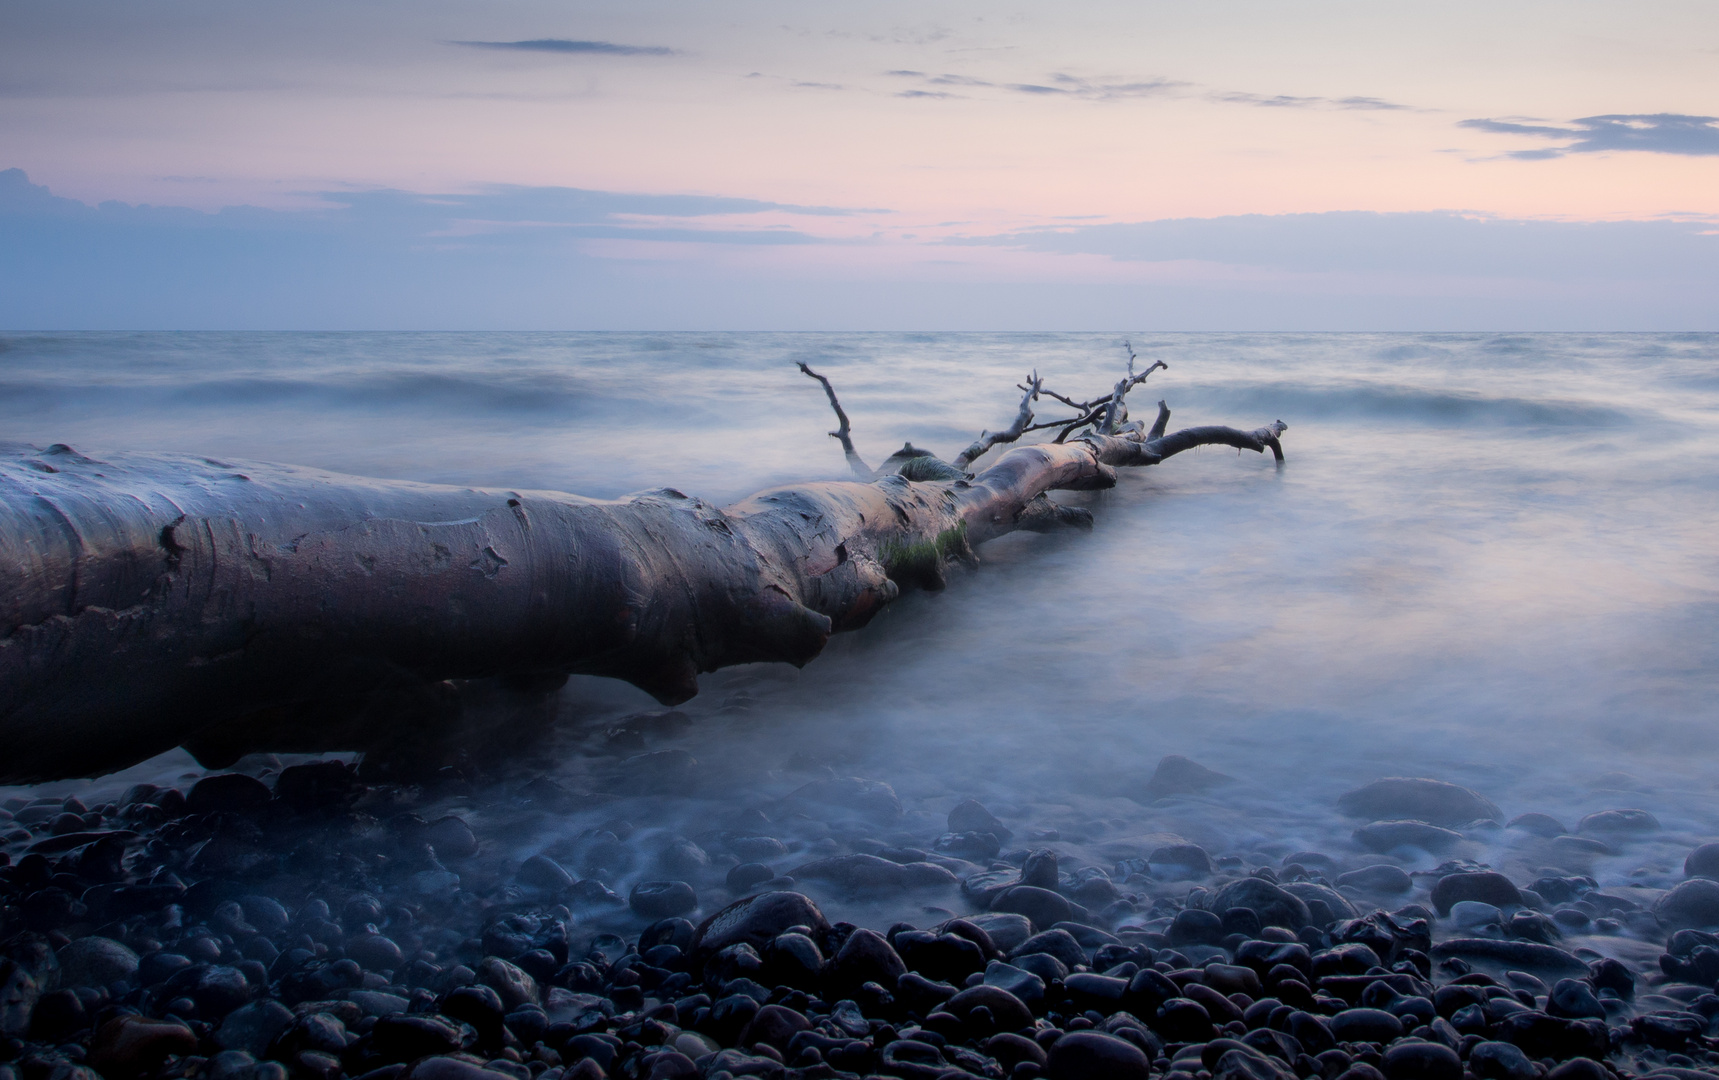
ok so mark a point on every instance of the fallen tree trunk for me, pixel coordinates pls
(151, 599)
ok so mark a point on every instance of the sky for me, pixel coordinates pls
(661, 164)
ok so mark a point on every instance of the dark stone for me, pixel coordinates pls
(227, 793)
(1692, 904)
(1058, 944)
(1039, 869)
(1006, 1011)
(96, 961)
(1325, 905)
(1413, 799)
(940, 957)
(1485, 888)
(793, 960)
(1386, 836)
(1192, 926)
(253, 1027)
(317, 785)
(1025, 985)
(1703, 862)
(1421, 1061)
(480, 1007)
(1089, 1055)
(1383, 878)
(775, 1025)
(746, 875)
(1500, 1061)
(543, 873)
(450, 837)
(1177, 775)
(1619, 823)
(373, 952)
(1043, 907)
(57, 1016)
(756, 921)
(1245, 1063)
(408, 1037)
(1273, 905)
(853, 872)
(1543, 825)
(971, 816)
(128, 1045)
(866, 957)
(1580, 1068)
(1573, 1000)
(1365, 1025)
(1668, 1031)
(1183, 1020)
(662, 899)
(871, 799)
(1188, 857)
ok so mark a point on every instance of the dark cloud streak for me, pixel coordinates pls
(1652, 133)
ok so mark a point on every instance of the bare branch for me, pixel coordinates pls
(1188, 438)
(988, 439)
(1163, 421)
(843, 430)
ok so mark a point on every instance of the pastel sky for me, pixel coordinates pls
(663, 163)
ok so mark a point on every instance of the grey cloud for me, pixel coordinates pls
(1653, 133)
(563, 45)
(1290, 101)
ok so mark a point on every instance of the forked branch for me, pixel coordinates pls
(844, 430)
(988, 439)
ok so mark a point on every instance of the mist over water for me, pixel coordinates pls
(1489, 559)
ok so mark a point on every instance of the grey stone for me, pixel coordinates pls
(1691, 905)
(1435, 802)
(1177, 775)
(1385, 836)
(1383, 878)
(1273, 905)
(1485, 887)
(96, 961)
(253, 1027)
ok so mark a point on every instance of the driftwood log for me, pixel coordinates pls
(154, 600)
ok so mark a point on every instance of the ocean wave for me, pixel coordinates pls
(1416, 405)
(543, 395)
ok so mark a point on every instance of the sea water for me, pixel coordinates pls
(1489, 558)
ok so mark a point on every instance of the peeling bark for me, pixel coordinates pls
(148, 600)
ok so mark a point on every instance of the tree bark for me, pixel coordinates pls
(146, 598)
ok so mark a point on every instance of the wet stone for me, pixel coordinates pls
(96, 961)
(747, 875)
(1273, 905)
(1365, 1025)
(1421, 1061)
(545, 874)
(1542, 825)
(1043, 907)
(1090, 1055)
(1388, 836)
(253, 1027)
(127, 1045)
(757, 920)
(227, 793)
(1433, 802)
(1618, 823)
(1383, 878)
(662, 899)
(971, 816)
(1485, 887)
(1177, 775)
(1060, 945)
(1703, 862)
(1500, 1061)
(1186, 858)
(1692, 904)
(513, 986)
